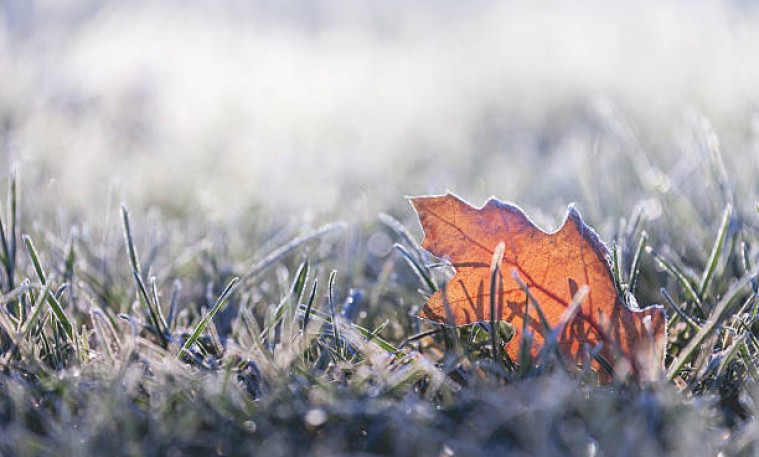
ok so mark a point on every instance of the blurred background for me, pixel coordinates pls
(340, 108)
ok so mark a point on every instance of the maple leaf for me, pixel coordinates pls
(566, 275)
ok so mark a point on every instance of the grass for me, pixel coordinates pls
(220, 342)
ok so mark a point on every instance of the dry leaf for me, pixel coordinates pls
(554, 269)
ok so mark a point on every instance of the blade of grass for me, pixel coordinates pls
(398, 228)
(728, 354)
(714, 319)
(552, 339)
(153, 311)
(157, 303)
(299, 285)
(377, 330)
(571, 310)
(38, 306)
(747, 266)
(635, 266)
(253, 330)
(60, 314)
(282, 251)
(5, 254)
(21, 305)
(35, 258)
(495, 281)
(296, 295)
(8, 238)
(333, 309)
(419, 336)
(310, 304)
(10, 326)
(154, 316)
(131, 250)
(617, 269)
(716, 251)
(420, 271)
(221, 301)
(525, 353)
(372, 336)
(104, 331)
(683, 315)
(690, 292)
(533, 300)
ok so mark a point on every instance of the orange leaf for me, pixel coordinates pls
(554, 269)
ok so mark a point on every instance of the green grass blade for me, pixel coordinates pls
(60, 314)
(296, 294)
(221, 301)
(35, 258)
(525, 353)
(38, 306)
(420, 271)
(5, 254)
(419, 336)
(154, 312)
(333, 309)
(716, 317)
(157, 305)
(282, 251)
(398, 228)
(746, 257)
(684, 282)
(495, 282)
(299, 285)
(635, 266)
(680, 312)
(716, 252)
(531, 298)
(129, 241)
(372, 336)
(310, 305)
(754, 280)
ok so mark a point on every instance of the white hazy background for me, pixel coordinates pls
(343, 106)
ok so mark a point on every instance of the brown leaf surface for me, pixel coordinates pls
(553, 267)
